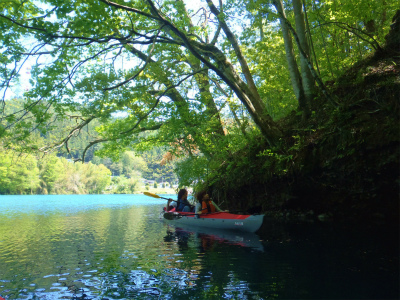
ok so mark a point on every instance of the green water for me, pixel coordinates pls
(117, 247)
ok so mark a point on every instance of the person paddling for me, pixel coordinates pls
(205, 205)
(183, 203)
(171, 206)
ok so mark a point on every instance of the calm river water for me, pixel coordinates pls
(117, 247)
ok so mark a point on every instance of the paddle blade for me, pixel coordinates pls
(171, 216)
(151, 195)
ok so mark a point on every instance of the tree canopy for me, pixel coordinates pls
(200, 78)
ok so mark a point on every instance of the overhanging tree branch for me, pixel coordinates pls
(140, 70)
(374, 43)
(127, 8)
(224, 69)
(67, 138)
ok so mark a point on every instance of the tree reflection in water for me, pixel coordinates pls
(220, 258)
(105, 251)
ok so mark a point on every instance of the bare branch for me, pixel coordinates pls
(215, 38)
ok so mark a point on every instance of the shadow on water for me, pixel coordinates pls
(295, 261)
(330, 261)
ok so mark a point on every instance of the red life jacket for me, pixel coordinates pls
(207, 207)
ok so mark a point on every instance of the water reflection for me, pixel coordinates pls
(109, 253)
(209, 237)
(129, 253)
(221, 265)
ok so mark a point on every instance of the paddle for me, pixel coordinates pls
(172, 216)
(156, 196)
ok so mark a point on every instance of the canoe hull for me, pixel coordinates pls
(220, 220)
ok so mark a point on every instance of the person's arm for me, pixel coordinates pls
(197, 209)
(169, 204)
(216, 207)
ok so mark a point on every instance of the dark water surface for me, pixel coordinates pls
(117, 247)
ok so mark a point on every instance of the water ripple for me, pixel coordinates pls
(125, 252)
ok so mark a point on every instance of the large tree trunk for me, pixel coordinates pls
(246, 92)
(254, 105)
(294, 73)
(307, 79)
(180, 103)
(203, 83)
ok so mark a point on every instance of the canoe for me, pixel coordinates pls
(218, 220)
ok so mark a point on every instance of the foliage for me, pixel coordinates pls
(52, 172)
(157, 169)
(209, 90)
(125, 185)
(344, 162)
(26, 174)
(18, 175)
